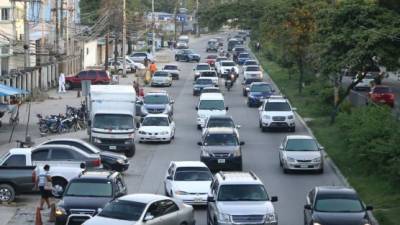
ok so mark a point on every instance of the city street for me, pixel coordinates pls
(260, 152)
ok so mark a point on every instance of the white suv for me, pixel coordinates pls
(276, 112)
(240, 198)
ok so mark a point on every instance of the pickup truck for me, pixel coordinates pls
(23, 158)
(16, 180)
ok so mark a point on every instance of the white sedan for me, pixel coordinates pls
(157, 128)
(188, 181)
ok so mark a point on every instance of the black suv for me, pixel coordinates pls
(88, 193)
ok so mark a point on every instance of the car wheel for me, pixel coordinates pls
(293, 129)
(68, 85)
(264, 129)
(198, 127)
(130, 152)
(7, 193)
(321, 171)
(285, 171)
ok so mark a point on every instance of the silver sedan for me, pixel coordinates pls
(146, 209)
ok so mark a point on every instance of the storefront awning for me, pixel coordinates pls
(7, 91)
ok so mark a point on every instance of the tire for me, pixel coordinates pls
(59, 184)
(68, 85)
(7, 193)
(320, 171)
(198, 127)
(292, 129)
(264, 129)
(43, 128)
(285, 171)
(131, 152)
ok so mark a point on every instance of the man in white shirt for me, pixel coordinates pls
(61, 83)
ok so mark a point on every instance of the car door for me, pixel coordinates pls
(309, 201)
(63, 156)
(282, 149)
(155, 211)
(40, 156)
(171, 126)
(212, 209)
(169, 178)
(92, 76)
(169, 212)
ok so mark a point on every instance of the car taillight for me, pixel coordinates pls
(96, 162)
(33, 176)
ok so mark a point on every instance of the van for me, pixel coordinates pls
(210, 104)
(183, 38)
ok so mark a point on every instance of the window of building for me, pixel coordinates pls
(5, 14)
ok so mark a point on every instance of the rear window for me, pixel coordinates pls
(248, 63)
(208, 74)
(202, 67)
(212, 57)
(170, 67)
(244, 55)
(253, 68)
(382, 90)
(228, 64)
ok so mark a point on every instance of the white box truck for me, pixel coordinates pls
(112, 118)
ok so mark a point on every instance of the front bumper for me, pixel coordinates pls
(303, 166)
(233, 223)
(253, 101)
(115, 145)
(154, 137)
(72, 219)
(193, 199)
(229, 163)
(278, 124)
(160, 83)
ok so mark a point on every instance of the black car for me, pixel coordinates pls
(333, 205)
(201, 83)
(110, 160)
(187, 55)
(88, 193)
(212, 46)
(246, 85)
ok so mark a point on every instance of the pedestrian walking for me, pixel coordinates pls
(146, 61)
(43, 182)
(61, 83)
(153, 68)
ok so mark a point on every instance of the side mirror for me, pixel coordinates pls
(197, 108)
(199, 143)
(369, 208)
(238, 126)
(148, 217)
(294, 109)
(169, 177)
(99, 210)
(321, 148)
(241, 143)
(210, 199)
(273, 91)
(172, 101)
(307, 207)
(274, 198)
(227, 108)
(281, 147)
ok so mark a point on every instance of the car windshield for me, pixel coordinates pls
(277, 106)
(250, 192)
(252, 68)
(210, 90)
(123, 210)
(89, 188)
(212, 105)
(249, 81)
(188, 52)
(155, 99)
(160, 74)
(113, 121)
(382, 90)
(338, 203)
(203, 67)
(220, 123)
(301, 145)
(221, 140)
(155, 121)
(250, 63)
(228, 64)
(170, 67)
(261, 88)
(208, 74)
(239, 49)
(193, 175)
(204, 81)
(244, 55)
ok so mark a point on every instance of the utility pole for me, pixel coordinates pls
(153, 47)
(57, 28)
(26, 36)
(197, 19)
(106, 53)
(124, 38)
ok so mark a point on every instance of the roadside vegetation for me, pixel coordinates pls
(305, 46)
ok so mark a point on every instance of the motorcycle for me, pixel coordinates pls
(229, 82)
(53, 123)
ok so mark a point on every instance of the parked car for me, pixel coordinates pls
(118, 66)
(86, 194)
(157, 102)
(240, 198)
(144, 209)
(301, 152)
(246, 85)
(276, 112)
(382, 95)
(161, 78)
(199, 68)
(140, 56)
(188, 181)
(109, 160)
(187, 55)
(201, 83)
(94, 76)
(258, 91)
(365, 83)
(15, 179)
(173, 70)
(221, 149)
(335, 205)
(252, 72)
(157, 128)
(210, 59)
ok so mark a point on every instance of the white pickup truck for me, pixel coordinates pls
(60, 171)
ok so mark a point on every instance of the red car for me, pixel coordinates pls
(211, 60)
(95, 76)
(382, 94)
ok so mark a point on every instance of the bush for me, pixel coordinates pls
(372, 136)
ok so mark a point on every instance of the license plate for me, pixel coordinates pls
(197, 200)
(112, 147)
(153, 137)
(221, 161)
(304, 166)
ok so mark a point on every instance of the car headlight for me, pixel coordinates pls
(181, 192)
(270, 218)
(60, 211)
(267, 117)
(205, 153)
(97, 140)
(237, 153)
(164, 132)
(317, 160)
(224, 218)
(290, 159)
(142, 132)
(120, 161)
(290, 117)
(197, 73)
(202, 116)
(247, 89)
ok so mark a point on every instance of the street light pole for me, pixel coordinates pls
(153, 47)
(123, 38)
(197, 19)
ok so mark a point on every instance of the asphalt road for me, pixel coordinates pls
(260, 153)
